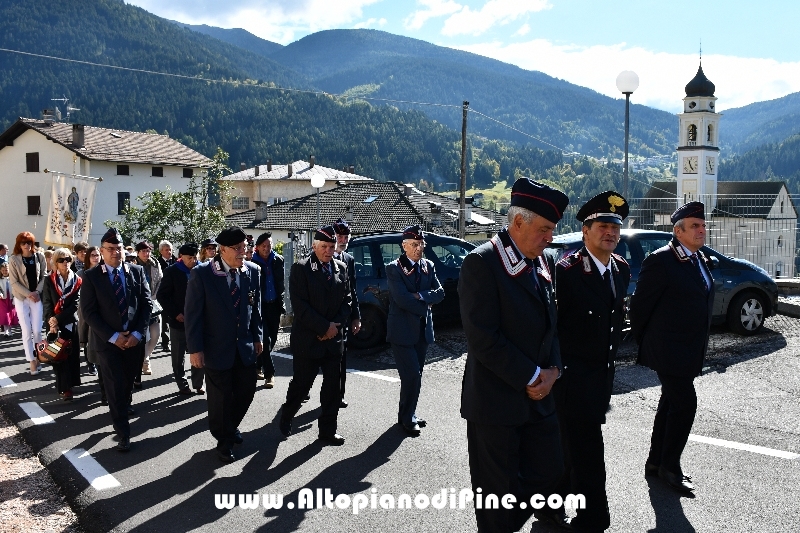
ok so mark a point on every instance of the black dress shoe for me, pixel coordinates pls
(137, 384)
(335, 439)
(412, 429)
(678, 482)
(186, 391)
(124, 444)
(285, 426)
(226, 456)
(421, 423)
(650, 470)
(308, 397)
(343, 404)
(103, 400)
(556, 517)
(238, 439)
(131, 410)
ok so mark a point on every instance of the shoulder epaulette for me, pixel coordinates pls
(620, 258)
(570, 260)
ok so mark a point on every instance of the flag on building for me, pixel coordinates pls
(71, 204)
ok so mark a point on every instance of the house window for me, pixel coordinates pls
(370, 199)
(123, 201)
(35, 204)
(710, 138)
(781, 206)
(241, 202)
(780, 241)
(158, 172)
(32, 162)
(188, 172)
(123, 170)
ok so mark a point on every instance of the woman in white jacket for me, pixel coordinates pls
(27, 271)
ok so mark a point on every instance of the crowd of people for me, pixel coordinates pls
(542, 335)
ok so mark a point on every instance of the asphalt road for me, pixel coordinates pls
(749, 395)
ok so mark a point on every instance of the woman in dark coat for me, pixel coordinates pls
(60, 297)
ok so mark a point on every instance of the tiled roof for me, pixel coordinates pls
(103, 144)
(301, 170)
(389, 210)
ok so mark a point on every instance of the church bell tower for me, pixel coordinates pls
(698, 143)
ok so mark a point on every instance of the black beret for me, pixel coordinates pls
(692, 209)
(231, 236)
(413, 232)
(539, 198)
(263, 237)
(341, 227)
(144, 245)
(208, 242)
(112, 236)
(325, 234)
(609, 206)
(190, 248)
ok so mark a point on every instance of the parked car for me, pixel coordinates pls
(744, 293)
(373, 252)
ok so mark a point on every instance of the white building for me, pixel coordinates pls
(129, 163)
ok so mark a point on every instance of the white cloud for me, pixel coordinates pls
(432, 9)
(476, 22)
(370, 22)
(523, 30)
(662, 77)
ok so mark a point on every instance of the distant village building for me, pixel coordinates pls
(369, 207)
(130, 163)
(752, 220)
(265, 185)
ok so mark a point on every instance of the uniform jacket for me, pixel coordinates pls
(316, 303)
(671, 312)
(210, 320)
(172, 294)
(405, 311)
(510, 330)
(589, 332)
(19, 280)
(99, 306)
(350, 262)
(277, 275)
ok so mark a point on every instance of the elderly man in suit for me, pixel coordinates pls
(591, 286)
(320, 294)
(413, 290)
(354, 325)
(222, 317)
(116, 304)
(272, 289)
(671, 314)
(509, 315)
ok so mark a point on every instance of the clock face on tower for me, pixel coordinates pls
(690, 165)
(709, 165)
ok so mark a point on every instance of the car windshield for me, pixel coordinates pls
(451, 255)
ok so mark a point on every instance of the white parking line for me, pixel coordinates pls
(351, 370)
(745, 447)
(6, 381)
(37, 415)
(95, 474)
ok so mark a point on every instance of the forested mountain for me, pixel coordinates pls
(774, 161)
(747, 127)
(237, 37)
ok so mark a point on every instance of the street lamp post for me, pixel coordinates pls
(317, 182)
(627, 82)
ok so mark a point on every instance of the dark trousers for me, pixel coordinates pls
(305, 371)
(165, 335)
(68, 373)
(272, 320)
(343, 364)
(410, 361)
(178, 353)
(673, 423)
(118, 369)
(520, 460)
(230, 393)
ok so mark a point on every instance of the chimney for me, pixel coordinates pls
(468, 208)
(242, 166)
(311, 161)
(258, 170)
(408, 189)
(269, 165)
(352, 169)
(436, 214)
(261, 210)
(349, 214)
(77, 136)
(290, 170)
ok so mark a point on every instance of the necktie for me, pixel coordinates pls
(235, 292)
(696, 263)
(328, 274)
(607, 282)
(417, 277)
(119, 294)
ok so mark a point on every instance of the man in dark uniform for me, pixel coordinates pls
(165, 260)
(272, 289)
(591, 285)
(172, 297)
(671, 314)
(115, 302)
(509, 315)
(320, 294)
(354, 325)
(413, 290)
(222, 317)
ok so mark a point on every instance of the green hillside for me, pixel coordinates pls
(237, 37)
(760, 123)
(775, 161)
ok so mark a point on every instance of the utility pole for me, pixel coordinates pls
(462, 205)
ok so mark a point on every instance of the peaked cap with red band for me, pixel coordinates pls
(539, 198)
(692, 209)
(325, 234)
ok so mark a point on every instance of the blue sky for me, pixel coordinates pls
(751, 51)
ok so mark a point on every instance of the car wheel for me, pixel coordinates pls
(373, 330)
(746, 313)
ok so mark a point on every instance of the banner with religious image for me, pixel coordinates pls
(71, 205)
